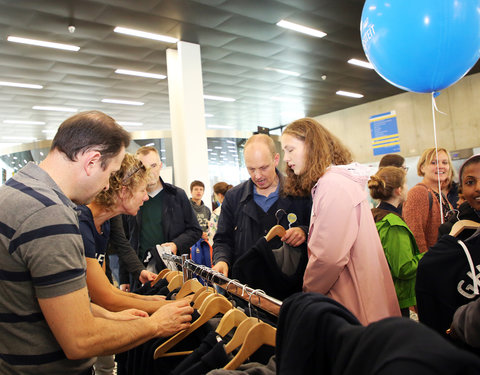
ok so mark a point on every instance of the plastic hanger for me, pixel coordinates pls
(276, 230)
(190, 286)
(215, 306)
(230, 320)
(258, 335)
(460, 225)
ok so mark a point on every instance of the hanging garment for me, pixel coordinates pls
(276, 271)
(445, 281)
(393, 346)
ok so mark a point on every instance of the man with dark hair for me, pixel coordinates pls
(166, 219)
(197, 189)
(393, 160)
(47, 322)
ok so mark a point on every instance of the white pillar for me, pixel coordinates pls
(187, 117)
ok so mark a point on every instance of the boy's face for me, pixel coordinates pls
(197, 192)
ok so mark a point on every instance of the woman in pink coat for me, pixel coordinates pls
(346, 258)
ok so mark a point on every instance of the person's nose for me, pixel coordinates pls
(477, 186)
(106, 186)
(146, 197)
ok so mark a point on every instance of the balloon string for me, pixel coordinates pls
(434, 108)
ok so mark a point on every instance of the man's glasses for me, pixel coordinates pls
(132, 173)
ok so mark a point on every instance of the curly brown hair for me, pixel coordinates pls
(131, 174)
(323, 149)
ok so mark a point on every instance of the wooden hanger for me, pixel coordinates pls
(190, 286)
(460, 225)
(199, 300)
(240, 334)
(170, 275)
(160, 275)
(230, 320)
(258, 335)
(200, 291)
(175, 282)
(276, 230)
(216, 306)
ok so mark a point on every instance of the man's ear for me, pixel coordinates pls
(276, 158)
(91, 160)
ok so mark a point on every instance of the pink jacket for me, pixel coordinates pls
(346, 259)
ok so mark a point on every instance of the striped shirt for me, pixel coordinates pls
(42, 256)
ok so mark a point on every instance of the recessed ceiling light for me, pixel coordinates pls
(219, 127)
(150, 144)
(220, 98)
(283, 71)
(22, 85)
(118, 101)
(349, 94)
(286, 100)
(363, 64)
(23, 122)
(129, 123)
(301, 28)
(58, 109)
(144, 34)
(140, 74)
(231, 142)
(42, 43)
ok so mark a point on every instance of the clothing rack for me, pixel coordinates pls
(254, 297)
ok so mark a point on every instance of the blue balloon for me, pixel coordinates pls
(421, 45)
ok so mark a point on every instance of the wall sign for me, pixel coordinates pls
(384, 130)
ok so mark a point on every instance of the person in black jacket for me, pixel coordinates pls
(252, 208)
(166, 219)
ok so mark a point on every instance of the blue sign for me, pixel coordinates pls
(384, 130)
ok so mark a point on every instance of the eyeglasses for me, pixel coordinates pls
(128, 176)
(405, 168)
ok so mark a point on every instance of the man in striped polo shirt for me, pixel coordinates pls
(47, 323)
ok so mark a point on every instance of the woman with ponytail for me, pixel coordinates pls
(388, 185)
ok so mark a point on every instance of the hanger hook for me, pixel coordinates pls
(254, 292)
(229, 282)
(277, 212)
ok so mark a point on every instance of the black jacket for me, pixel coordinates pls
(465, 212)
(180, 224)
(317, 335)
(444, 281)
(239, 227)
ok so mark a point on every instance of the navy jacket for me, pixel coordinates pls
(239, 227)
(180, 224)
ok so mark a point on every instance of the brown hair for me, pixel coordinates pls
(92, 130)
(131, 174)
(385, 181)
(426, 158)
(393, 160)
(221, 188)
(323, 149)
(197, 183)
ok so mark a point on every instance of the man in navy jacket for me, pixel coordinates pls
(250, 209)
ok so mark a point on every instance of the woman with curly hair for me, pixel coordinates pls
(346, 260)
(126, 193)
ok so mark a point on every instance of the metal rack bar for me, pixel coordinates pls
(255, 297)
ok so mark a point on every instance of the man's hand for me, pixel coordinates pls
(172, 246)
(147, 276)
(205, 236)
(129, 314)
(294, 236)
(221, 267)
(125, 287)
(172, 318)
